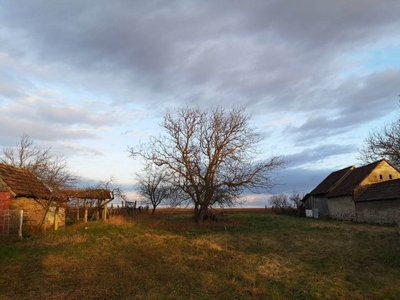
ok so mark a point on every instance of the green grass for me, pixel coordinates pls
(246, 256)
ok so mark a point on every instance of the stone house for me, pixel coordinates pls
(356, 193)
(20, 189)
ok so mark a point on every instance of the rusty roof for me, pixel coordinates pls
(100, 194)
(22, 182)
(331, 181)
(386, 190)
(347, 186)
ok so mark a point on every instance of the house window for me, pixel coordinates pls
(380, 176)
(390, 176)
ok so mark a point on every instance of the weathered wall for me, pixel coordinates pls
(382, 212)
(319, 203)
(342, 208)
(51, 216)
(33, 213)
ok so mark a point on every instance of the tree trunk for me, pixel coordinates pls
(154, 210)
(199, 212)
(196, 213)
(46, 207)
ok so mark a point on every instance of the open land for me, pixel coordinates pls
(246, 254)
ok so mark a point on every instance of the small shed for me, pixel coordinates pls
(20, 189)
(85, 202)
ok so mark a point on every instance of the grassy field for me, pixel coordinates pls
(248, 255)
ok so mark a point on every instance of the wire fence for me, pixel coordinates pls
(11, 222)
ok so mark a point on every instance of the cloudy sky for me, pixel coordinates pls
(89, 78)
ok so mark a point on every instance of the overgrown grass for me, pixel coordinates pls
(245, 256)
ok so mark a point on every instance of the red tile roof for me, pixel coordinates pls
(22, 182)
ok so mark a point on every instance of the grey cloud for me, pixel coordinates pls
(61, 114)
(316, 154)
(317, 128)
(300, 180)
(333, 24)
(12, 128)
(356, 101)
(36, 118)
(375, 93)
(257, 52)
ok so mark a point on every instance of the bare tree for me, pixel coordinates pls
(295, 199)
(153, 185)
(280, 202)
(210, 156)
(26, 155)
(383, 144)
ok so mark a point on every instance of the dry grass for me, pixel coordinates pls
(165, 256)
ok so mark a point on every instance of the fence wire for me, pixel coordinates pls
(11, 222)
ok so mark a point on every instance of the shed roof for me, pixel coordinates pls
(356, 176)
(100, 194)
(331, 181)
(386, 190)
(22, 182)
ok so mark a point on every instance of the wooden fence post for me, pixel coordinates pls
(77, 209)
(104, 213)
(86, 212)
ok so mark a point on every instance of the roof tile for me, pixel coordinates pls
(386, 190)
(22, 182)
(331, 181)
(356, 176)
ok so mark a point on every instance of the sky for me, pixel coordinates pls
(90, 78)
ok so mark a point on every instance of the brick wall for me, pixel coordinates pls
(4, 205)
(5, 200)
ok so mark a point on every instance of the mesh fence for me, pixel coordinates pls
(11, 222)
